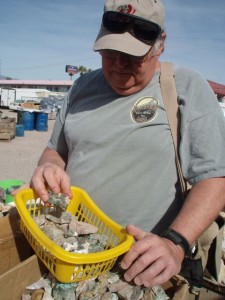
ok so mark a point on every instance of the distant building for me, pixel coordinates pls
(61, 86)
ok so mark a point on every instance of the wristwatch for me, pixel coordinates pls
(177, 239)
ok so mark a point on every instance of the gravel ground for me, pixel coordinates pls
(19, 157)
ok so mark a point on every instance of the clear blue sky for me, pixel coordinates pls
(39, 38)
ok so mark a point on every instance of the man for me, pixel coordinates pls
(112, 138)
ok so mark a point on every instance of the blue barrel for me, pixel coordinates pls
(41, 122)
(19, 130)
(28, 120)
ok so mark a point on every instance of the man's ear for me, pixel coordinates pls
(162, 44)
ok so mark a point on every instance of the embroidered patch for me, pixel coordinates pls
(126, 9)
(144, 110)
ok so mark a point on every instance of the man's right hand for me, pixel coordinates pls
(50, 176)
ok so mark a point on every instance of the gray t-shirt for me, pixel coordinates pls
(119, 148)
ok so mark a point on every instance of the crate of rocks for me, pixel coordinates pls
(7, 129)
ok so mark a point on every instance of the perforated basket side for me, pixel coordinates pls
(80, 272)
(46, 257)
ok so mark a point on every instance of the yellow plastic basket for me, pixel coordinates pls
(70, 267)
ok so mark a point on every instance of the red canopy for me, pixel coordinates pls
(218, 89)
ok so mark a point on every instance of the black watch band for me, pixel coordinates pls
(177, 239)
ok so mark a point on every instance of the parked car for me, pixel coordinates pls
(18, 104)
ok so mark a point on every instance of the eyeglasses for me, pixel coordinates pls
(143, 30)
(113, 54)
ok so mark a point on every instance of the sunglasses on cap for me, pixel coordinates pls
(141, 29)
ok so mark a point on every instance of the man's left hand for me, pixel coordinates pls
(152, 260)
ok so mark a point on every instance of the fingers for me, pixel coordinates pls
(51, 177)
(136, 232)
(39, 184)
(139, 248)
(150, 267)
(135, 251)
(65, 185)
(156, 274)
(152, 260)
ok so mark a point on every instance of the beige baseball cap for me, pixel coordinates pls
(148, 10)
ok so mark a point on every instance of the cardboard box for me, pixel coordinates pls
(31, 105)
(14, 247)
(14, 282)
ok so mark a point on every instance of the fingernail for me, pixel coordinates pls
(123, 265)
(126, 277)
(44, 198)
(137, 281)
